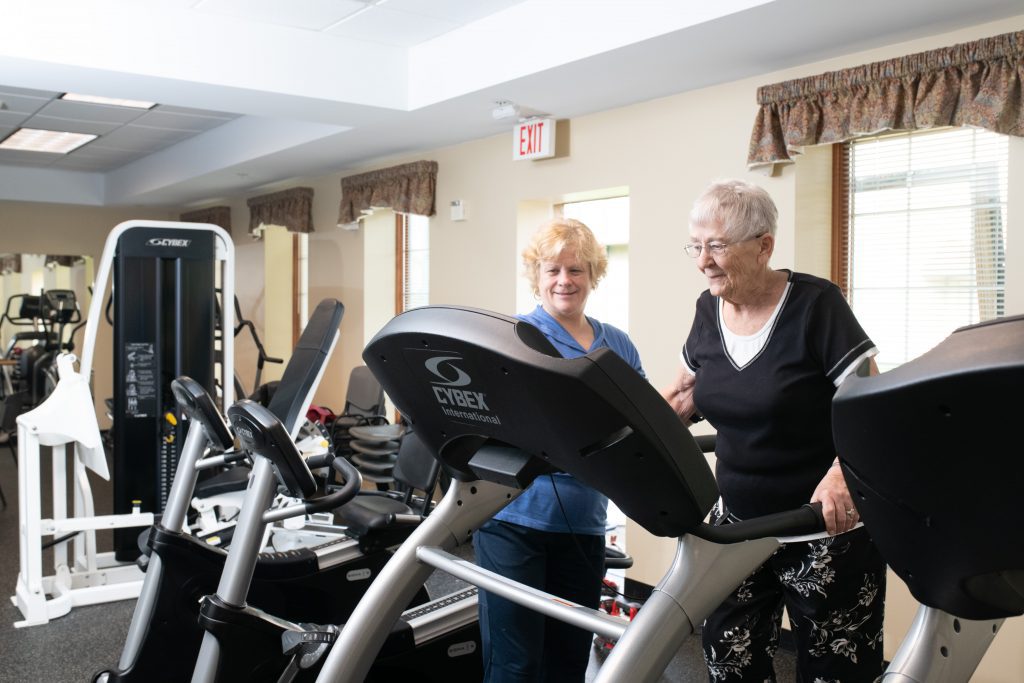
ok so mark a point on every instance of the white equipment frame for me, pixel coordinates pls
(68, 418)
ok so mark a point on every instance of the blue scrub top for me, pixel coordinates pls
(541, 505)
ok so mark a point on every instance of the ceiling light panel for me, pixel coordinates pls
(111, 101)
(49, 141)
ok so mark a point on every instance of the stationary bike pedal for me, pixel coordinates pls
(309, 644)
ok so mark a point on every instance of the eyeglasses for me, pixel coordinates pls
(694, 249)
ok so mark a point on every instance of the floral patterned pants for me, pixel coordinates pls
(834, 592)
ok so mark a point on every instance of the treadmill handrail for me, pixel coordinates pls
(806, 519)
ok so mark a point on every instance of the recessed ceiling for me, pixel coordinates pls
(125, 134)
(252, 93)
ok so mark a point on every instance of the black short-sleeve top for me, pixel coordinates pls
(773, 414)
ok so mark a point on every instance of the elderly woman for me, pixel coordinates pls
(552, 536)
(766, 351)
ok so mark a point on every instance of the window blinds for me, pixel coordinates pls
(927, 240)
(416, 247)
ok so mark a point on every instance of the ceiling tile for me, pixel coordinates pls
(90, 112)
(94, 151)
(459, 11)
(175, 121)
(73, 162)
(141, 138)
(47, 94)
(23, 158)
(310, 14)
(175, 4)
(69, 125)
(382, 25)
(171, 109)
(22, 104)
(11, 118)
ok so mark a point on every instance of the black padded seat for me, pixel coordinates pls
(375, 514)
(370, 517)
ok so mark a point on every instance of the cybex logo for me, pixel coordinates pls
(461, 404)
(167, 242)
(245, 432)
(458, 397)
(434, 366)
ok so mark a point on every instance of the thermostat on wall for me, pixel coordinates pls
(458, 210)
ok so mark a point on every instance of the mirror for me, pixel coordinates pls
(33, 274)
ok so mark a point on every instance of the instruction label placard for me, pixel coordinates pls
(140, 380)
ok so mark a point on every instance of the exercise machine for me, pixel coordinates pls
(244, 643)
(942, 526)
(243, 323)
(165, 278)
(491, 396)
(30, 370)
(155, 270)
(66, 423)
(932, 455)
(437, 641)
(183, 568)
(306, 584)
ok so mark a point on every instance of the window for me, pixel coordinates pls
(413, 268)
(921, 242)
(608, 219)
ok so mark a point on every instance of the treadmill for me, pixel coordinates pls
(932, 456)
(493, 399)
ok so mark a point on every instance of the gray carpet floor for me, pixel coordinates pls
(72, 648)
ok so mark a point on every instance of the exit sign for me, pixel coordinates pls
(534, 139)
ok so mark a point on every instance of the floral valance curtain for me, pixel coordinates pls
(215, 215)
(971, 84)
(59, 260)
(408, 188)
(291, 208)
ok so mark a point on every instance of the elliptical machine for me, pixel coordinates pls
(33, 374)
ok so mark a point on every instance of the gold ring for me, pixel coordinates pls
(849, 512)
